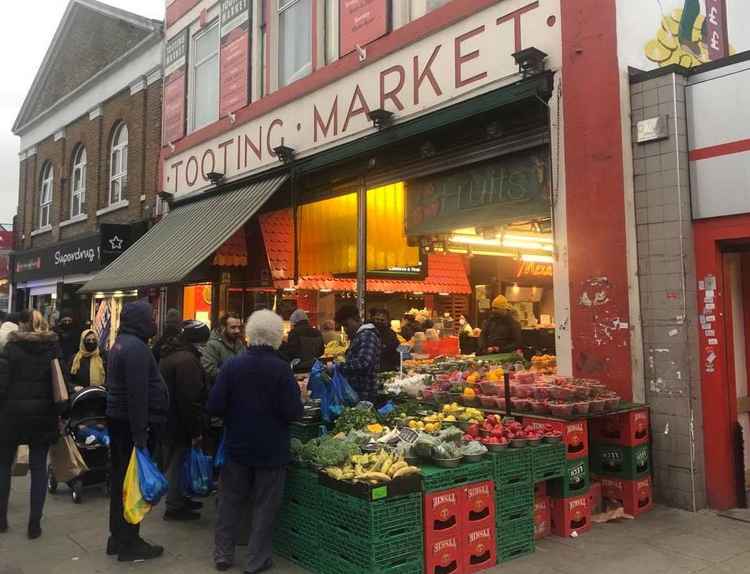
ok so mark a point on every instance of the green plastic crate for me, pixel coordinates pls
(437, 478)
(515, 539)
(334, 564)
(299, 519)
(366, 519)
(625, 462)
(511, 466)
(302, 487)
(548, 462)
(575, 482)
(304, 432)
(373, 553)
(514, 502)
(298, 549)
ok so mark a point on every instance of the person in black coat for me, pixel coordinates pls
(180, 367)
(304, 343)
(390, 360)
(27, 410)
(69, 335)
(172, 328)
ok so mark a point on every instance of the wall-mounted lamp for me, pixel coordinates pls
(361, 53)
(530, 61)
(171, 146)
(232, 117)
(215, 177)
(380, 118)
(284, 153)
(166, 197)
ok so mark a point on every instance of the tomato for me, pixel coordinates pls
(473, 430)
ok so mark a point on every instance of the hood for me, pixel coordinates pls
(33, 338)
(366, 327)
(86, 333)
(176, 344)
(137, 318)
(5, 330)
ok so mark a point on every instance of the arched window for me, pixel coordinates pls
(78, 188)
(118, 169)
(45, 195)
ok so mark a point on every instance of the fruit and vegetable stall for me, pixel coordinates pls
(465, 464)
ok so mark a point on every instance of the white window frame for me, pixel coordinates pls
(79, 191)
(118, 179)
(46, 191)
(215, 24)
(307, 69)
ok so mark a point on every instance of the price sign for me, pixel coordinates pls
(408, 435)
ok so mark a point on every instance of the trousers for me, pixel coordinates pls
(120, 450)
(174, 458)
(38, 467)
(265, 489)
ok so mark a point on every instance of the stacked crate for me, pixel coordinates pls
(298, 527)
(549, 464)
(304, 431)
(514, 501)
(621, 459)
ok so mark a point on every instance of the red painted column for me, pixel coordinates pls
(595, 203)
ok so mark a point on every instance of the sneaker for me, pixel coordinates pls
(113, 547)
(193, 504)
(182, 515)
(223, 566)
(138, 551)
(35, 530)
(267, 565)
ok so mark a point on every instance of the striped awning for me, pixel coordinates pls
(183, 239)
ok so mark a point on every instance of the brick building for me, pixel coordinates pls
(90, 131)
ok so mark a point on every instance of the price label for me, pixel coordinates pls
(408, 435)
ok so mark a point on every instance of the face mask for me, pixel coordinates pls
(90, 346)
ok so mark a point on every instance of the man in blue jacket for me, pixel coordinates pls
(258, 397)
(137, 404)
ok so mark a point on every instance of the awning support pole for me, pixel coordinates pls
(293, 184)
(362, 247)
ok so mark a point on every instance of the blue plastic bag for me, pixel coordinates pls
(334, 393)
(153, 483)
(197, 473)
(220, 453)
(344, 393)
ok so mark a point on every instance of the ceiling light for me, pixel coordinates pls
(537, 258)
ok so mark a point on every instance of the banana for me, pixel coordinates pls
(386, 464)
(406, 471)
(377, 476)
(397, 466)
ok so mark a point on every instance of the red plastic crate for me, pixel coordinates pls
(477, 505)
(595, 497)
(571, 515)
(542, 517)
(636, 496)
(442, 514)
(444, 556)
(480, 549)
(626, 429)
(575, 434)
(540, 489)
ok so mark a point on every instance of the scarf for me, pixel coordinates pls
(96, 365)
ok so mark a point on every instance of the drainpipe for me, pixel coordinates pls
(362, 247)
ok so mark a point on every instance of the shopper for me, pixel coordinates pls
(363, 355)
(27, 410)
(222, 346)
(409, 327)
(69, 336)
(390, 360)
(137, 407)
(87, 368)
(9, 326)
(304, 343)
(258, 397)
(181, 368)
(501, 332)
(172, 326)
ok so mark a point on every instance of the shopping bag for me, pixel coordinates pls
(153, 483)
(134, 506)
(197, 473)
(344, 393)
(66, 460)
(320, 387)
(220, 457)
(59, 387)
(21, 463)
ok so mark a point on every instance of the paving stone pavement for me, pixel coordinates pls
(665, 541)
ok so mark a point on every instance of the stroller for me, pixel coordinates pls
(87, 425)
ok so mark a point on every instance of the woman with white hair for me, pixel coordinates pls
(258, 397)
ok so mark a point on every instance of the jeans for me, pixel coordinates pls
(38, 466)
(265, 488)
(120, 449)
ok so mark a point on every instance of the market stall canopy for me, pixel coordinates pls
(184, 239)
(445, 273)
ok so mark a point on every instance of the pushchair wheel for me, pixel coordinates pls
(77, 491)
(51, 480)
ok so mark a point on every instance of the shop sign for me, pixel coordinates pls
(529, 269)
(500, 192)
(79, 256)
(361, 22)
(456, 63)
(234, 56)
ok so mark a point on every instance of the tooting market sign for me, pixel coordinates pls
(458, 62)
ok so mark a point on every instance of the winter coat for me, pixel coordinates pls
(180, 367)
(217, 352)
(69, 342)
(258, 397)
(27, 410)
(80, 368)
(390, 360)
(136, 392)
(305, 342)
(362, 362)
(502, 331)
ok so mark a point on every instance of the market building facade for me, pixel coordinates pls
(436, 154)
(90, 131)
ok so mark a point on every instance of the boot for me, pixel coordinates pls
(35, 529)
(139, 550)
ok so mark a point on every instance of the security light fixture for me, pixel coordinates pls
(380, 118)
(166, 197)
(215, 177)
(284, 153)
(530, 61)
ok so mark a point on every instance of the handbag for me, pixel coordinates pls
(66, 460)
(21, 463)
(59, 386)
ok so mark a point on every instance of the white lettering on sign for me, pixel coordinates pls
(444, 499)
(63, 258)
(457, 62)
(442, 545)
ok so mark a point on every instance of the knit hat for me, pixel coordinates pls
(500, 303)
(298, 316)
(173, 317)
